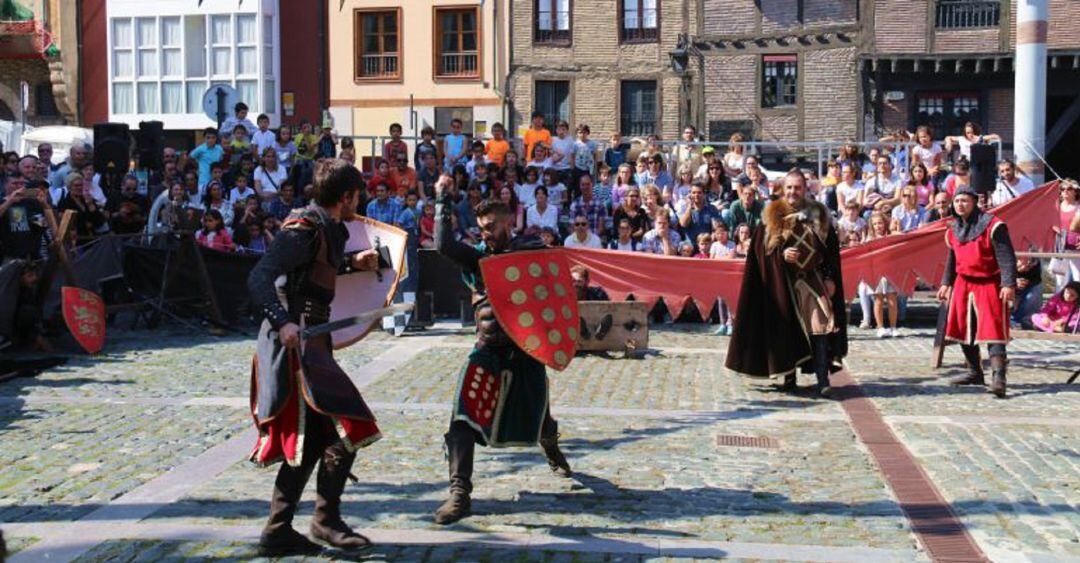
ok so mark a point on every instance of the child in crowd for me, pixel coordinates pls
(240, 143)
(624, 180)
(425, 146)
(537, 134)
(1062, 312)
(742, 240)
(427, 225)
(327, 146)
(214, 235)
(495, 150)
(395, 146)
(454, 146)
(263, 138)
(603, 186)
(527, 192)
(241, 191)
(704, 245)
(477, 159)
(686, 250)
(584, 153)
(556, 190)
(615, 154)
(722, 246)
(851, 227)
(541, 157)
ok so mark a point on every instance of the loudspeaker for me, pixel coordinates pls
(151, 144)
(983, 168)
(112, 149)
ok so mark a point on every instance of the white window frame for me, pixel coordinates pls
(266, 74)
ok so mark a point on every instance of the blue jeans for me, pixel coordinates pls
(1028, 302)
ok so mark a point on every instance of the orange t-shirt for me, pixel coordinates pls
(496, 151)
(532, 137)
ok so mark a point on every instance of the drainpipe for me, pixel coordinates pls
(1029, 113)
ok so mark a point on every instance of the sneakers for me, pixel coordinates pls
(894, 332)
(865, 325)
(723, 330)
(882, 332)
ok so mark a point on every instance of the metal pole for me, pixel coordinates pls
(1029, 116)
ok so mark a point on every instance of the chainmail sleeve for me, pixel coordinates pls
(949, 276)
(1006, 256)
(465, 256)
(291, 249)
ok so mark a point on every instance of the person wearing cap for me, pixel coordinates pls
(979, 285)
(708, 154)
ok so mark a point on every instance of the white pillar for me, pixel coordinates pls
(1029, 105)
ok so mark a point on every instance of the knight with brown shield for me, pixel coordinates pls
(526, 318)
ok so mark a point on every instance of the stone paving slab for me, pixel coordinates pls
(655, 478)
(1014, 486)
(60, 462)
(130, 367)
(667, 382)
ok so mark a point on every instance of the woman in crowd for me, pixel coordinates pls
(734, 160)
(849, 155)
(269, 177)
(632, 211)
(622, 240)
(541, 214)
(91, 219)
(214, 234)
(972, 136)
(961, 176)
(718, 190)
(850, 188)
(215, 199)
(909, 214)
(1062, 312)
(517, 211)
(1068, 234)
(884, 293)
(285, 148)
(681, 188)
(624, 181)
(652, 201)
(171, 213)
(743, 236)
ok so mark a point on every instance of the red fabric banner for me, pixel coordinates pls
(902, 259)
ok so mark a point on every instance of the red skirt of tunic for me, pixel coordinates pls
(976, 312)
(282, 437)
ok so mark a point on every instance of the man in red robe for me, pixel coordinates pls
(980, 286)
(305, 406)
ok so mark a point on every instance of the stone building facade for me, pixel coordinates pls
(38, 46)
(863, 68)
(604, 63)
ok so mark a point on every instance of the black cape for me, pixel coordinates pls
(768, 340)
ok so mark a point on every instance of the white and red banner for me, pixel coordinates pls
(902, 259)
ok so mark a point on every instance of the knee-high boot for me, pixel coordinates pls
(998, 365)
(974, 375)
(279, 537)
(327, 524)
(822, 363)
(549, 442)
(460, 449)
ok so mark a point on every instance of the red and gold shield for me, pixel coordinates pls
(84, 314)
(533, 298)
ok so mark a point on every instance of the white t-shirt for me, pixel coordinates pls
(628, 247)
(927, 155)
(1004, 192)
(719, 250)
(566, 147)
(270, 181)
(886, 187)
(556, 194)
(526, 193)
(965, 145)
(549, 218)
(850, 192)
(263, 140)
(236, 196)
(592, 241)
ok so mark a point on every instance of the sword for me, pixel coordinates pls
(327, 328)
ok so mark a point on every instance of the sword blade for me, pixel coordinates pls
(367, 316)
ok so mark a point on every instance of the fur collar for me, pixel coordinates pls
(780, 219)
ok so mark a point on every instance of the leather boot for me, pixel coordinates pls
(821, 365)
(997, 382)
(327, 524)
(278, 537)
(975, 374)
(460, 447)
(549, 442)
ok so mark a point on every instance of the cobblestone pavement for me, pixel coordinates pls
(652, 482)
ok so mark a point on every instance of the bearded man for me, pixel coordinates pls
(792, 314)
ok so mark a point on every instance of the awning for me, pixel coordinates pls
(961, 63)
(24, 40)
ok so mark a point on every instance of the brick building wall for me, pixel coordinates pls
(967, 41)
(596, 62)
(900, 26)
(830, 94)
(999, 109)
(729, 16)
(829, 12)
(35, 72)
(779, 15)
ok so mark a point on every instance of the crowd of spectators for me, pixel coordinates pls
(639, 195)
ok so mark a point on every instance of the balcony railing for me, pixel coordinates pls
(967, 14)
(558, 36)
(383, 65)
(459, 65)
(638, 124)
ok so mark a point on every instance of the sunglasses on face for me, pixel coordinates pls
(581, 224)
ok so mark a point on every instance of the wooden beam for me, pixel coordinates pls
(978, 66)
(1062, 125)
(874, 65)
(892, 66)
(916, 63)
(997, 64)
(937, 65)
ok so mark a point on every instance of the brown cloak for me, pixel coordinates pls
(768, 339)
